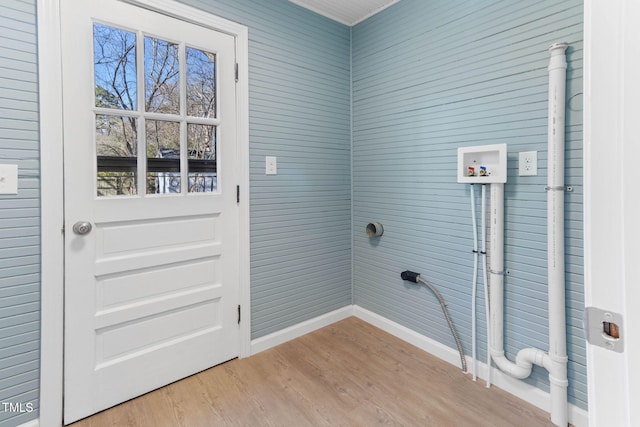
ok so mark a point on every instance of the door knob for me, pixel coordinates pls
(82, 227)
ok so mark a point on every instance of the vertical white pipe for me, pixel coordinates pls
(474, 283)
(483, 251)
(555, 235)
(527, 357)
(555, 361)
(496, 266)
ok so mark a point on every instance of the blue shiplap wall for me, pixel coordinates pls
(19, 215)
(299, 111)
(431, 76)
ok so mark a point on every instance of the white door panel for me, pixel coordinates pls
(151, 292)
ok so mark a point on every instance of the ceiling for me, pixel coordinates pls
(348, 12)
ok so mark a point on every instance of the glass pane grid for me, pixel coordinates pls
(179, 111)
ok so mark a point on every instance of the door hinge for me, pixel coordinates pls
(237, 194)
(238, 314)
(237, 72)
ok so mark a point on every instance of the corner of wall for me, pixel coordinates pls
(353, 229)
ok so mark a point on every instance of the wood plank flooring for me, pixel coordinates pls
(347, 374)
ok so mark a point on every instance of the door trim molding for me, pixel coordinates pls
(52, 192)
(52, 212)
(610, 202)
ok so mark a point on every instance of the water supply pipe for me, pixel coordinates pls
(483, 252)
(474, 283)
(555, 361)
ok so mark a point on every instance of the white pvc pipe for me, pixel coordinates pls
(474, 283)
(528, 356)
(556, 360)
(555, 235)
(483, 252)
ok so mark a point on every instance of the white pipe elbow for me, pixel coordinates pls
(520, 371)
(525, 359)
(533, 356)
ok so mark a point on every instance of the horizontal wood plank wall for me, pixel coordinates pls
(19, 215)
(432, 76)
(299, 111)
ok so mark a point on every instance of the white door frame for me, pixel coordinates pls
(612, 61)
(52, 187)
(612, 230)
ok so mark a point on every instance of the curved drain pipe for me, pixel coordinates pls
(555, 361)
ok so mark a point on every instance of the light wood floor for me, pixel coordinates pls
(347, 374)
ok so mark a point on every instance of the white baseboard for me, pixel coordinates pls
(577, 416)
(32, 423)
(295, 331)
(412, 337)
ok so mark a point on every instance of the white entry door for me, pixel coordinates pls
(151, 219)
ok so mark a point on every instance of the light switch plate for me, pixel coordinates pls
(528, 163)
(8, 179)
(271, 165)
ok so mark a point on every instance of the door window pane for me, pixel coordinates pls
(201, 141)
(116, 150)
(201, 83)
(114, 59)
(161, 76)
(163, 157)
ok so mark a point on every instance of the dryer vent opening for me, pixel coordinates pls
(374, 229)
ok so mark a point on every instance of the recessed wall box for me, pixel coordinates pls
(482, 164)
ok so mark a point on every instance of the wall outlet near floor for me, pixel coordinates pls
(528, 163)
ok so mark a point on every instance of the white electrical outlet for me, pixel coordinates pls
(8, 179)
(271, 165)
(528, 163)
